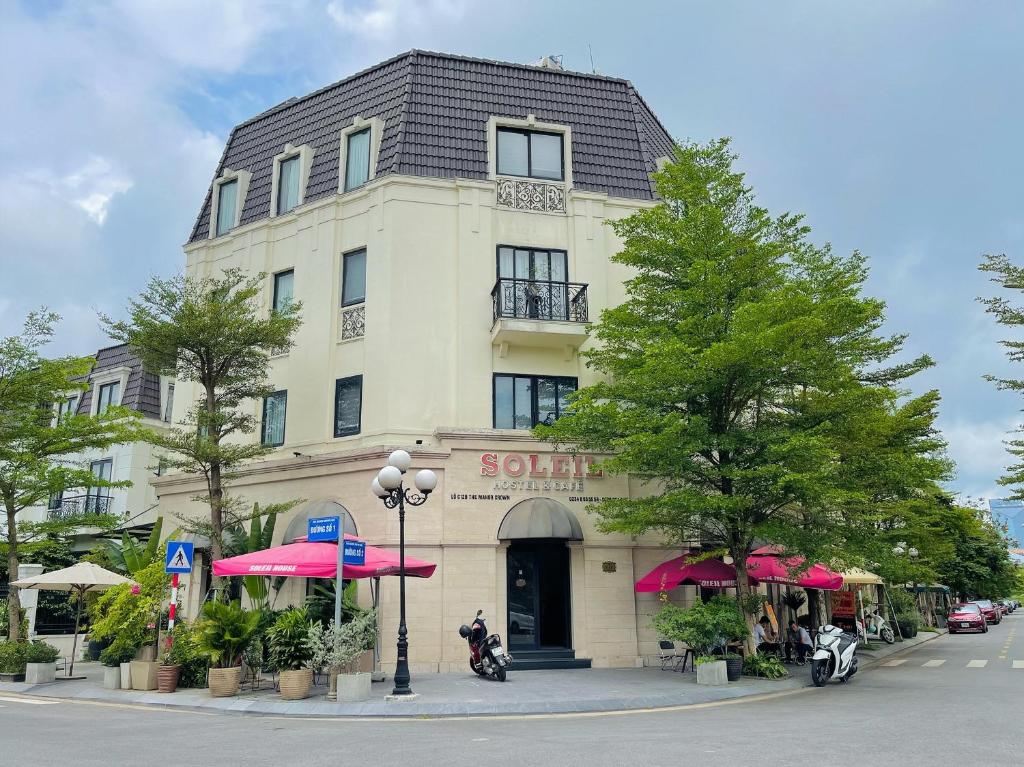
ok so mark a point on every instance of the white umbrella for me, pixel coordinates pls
(80, 578)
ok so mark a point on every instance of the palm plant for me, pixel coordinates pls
(129, 555)
(225, 631)
(794, 600)
(290, 647)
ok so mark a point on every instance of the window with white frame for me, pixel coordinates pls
(288, 180)
(357, 159)
(67, 407)
(169, 404)
(109, 396)
(227, 206)
(530, 153)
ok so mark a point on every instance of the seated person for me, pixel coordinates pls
(800, 639)
(764, 639)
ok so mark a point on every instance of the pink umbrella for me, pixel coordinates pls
(767, 564)
(709, 573)
(319, 560)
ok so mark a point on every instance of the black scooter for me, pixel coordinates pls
(487, 657)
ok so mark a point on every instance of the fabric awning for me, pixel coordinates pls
(540, 518)
(708, 573)
(857, 577)
(770, 565)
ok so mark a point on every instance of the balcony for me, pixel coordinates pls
(539, 313)
(78, 505)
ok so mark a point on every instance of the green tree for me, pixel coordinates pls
(40, 455)
(211, 332)
(746, 379)
(978, 563)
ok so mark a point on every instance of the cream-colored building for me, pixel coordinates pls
(444, 223)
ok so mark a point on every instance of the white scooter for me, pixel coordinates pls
(835, 656)
(879, 627)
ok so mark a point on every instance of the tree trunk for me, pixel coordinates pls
(744, 590)
(215, 486)
(13, 601)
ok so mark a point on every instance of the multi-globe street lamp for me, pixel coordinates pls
(387, 486)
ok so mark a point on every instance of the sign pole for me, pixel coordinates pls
(341, 566)
(172, 610)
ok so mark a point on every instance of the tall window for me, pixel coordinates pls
(287, 184)
(353, 278)
(530, 153)
(357, 159)
(97, 499)
(109, 396)
(274, 408)
(227, 200)
(169, 405)
(348, 405)
(522, 402)
(533, 283)
(284, 290)
(67, 407)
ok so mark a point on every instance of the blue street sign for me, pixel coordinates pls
(322, 529)
(179, 557)
(355, 553)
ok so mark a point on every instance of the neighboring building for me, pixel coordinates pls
(116, 379)
(1009, 513)
(444, 222)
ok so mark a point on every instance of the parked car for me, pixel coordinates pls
(992, 612)
(966, 617)
(1010, 605)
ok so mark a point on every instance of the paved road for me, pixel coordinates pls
(919, 708)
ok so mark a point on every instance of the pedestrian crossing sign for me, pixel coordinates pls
(179, 557)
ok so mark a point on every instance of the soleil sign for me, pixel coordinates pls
(552, 465)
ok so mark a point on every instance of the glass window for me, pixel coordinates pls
(169, 406)
(227, 199)
(284, 290)
(357, 159)
(274, 408)
(521, 402)
(513, 153)
(348, 403)
(67, 408)
(110, 395)
(97, 499)
(288, 185)
(530, 153)
(353, 278)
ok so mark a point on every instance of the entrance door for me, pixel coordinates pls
(538, 595)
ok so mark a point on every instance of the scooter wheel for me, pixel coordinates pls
(501, 673)
(478, 670)
(888, 636)
(819, 672)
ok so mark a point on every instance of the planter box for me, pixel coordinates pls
(144, 674)
(224, 681)
(167, 678)
(146, 653)
(714, 673)
(112, 677)
(12, 677)
(126, 675)
(353, 687)
(295, 684)
(734, 669)
(40, 673)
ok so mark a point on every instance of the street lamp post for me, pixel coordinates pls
(389, 488)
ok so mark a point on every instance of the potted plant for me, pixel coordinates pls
(40, 663)
(291, 652)
(117, 659)
(339, 649)
(708, 628)
(12, 661)
(167, 672)
(224, 633)
(711, 670)
(185, 653)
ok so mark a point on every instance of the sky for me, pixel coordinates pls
(895, 127)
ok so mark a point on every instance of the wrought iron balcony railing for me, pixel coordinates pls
(539, 300)
(78, 505)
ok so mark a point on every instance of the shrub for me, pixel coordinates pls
(124, 617)
(340, 646)
(764, 666)
(12, 657)
(116, 654)
(186, 652)
(225, 631)
(700, 660)
(40, 652)
(289, 640)
(705, 626)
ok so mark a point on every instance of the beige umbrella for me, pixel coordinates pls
(80, 578)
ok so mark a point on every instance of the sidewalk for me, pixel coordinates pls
(445, 695)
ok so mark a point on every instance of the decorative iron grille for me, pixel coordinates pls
(531, 195)
(353, 322)
(540, 300)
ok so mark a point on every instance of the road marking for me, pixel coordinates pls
(977, 664)
(895, 662)
(932, 663)
(1018, 664)
(30, 701)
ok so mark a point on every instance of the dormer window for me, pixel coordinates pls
(67, 408)
(357, 164)
(529, 153)
(287, 184)
(227, 203)
(109, 396)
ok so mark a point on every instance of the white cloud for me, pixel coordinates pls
(979, 450)
(90, 186)
(383, 19)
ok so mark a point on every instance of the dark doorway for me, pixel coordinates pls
(538, 595)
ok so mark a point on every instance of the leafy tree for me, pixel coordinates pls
(746, 379)
(39, 454)
(129, 556)
(211, 332)
(978, 563)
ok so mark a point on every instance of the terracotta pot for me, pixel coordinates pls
(167, 678)
(224, 681)
(295, 684)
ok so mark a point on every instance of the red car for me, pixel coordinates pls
(967, 617)
(991, 612)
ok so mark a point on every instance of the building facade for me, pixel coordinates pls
(444, 223)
